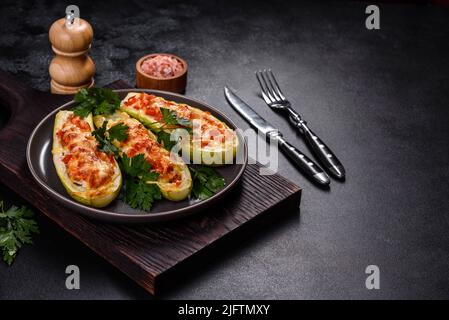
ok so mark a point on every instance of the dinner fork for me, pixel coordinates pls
(275, 99)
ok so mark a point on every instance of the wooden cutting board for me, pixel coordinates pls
(149, 254)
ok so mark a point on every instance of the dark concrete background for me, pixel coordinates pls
(378, 98)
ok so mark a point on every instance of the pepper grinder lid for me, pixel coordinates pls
(71, 35)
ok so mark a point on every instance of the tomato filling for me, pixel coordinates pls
(84, 163)
(145, 103)
(139, 142)
(209, 132)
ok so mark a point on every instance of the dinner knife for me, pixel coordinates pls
(307, 166)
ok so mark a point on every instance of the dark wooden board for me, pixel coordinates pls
(146, 253)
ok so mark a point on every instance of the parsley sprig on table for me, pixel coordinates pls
(206, 182)
(139, 188)
(117, 132)
(96, 101)
(16, 228)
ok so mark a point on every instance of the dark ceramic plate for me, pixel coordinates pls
(40, 162)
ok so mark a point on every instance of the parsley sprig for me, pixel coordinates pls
(96, 101)
(16, 228)
(171, 118)
(206, 182)
(117, 132)
(138, 190)
(164, 138)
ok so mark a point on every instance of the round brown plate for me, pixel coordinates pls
(40, 162)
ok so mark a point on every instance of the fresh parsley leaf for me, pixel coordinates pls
(164, 139)
(96, 101)
(118, 132)
(170, 117)
(135, 166)
(109, 148)
(139, 194)
(100, 133)
(16, 228)
(104, 143)
(206, 182)
(138, 190)
(84, 103)
(105, 107)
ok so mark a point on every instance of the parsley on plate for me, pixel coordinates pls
(96, 101)
(164, 138)
(206, 182)
(170, 117)
(117, 132)
(139, 189)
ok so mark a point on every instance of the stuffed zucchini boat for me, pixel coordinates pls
(90, 176)
(210, 140)
(174, 178)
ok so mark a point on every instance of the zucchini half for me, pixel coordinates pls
(80, 191)
(212, 154)
(170, 190)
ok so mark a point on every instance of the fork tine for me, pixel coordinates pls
(262, 88)
(268, 90)
(270, 86)
(265, 94)
(265, 97)
(276, 85)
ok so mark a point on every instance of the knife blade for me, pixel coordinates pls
(307, 166)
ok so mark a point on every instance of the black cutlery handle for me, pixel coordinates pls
(311, 169)
(323, 153)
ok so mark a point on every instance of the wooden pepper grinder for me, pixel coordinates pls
(71, 69)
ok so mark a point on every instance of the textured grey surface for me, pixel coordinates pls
(378, 98)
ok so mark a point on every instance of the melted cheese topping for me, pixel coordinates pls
(208, 131)
(86, 166)
(140, 142)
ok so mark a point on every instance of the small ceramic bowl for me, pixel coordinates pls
(175, 84)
